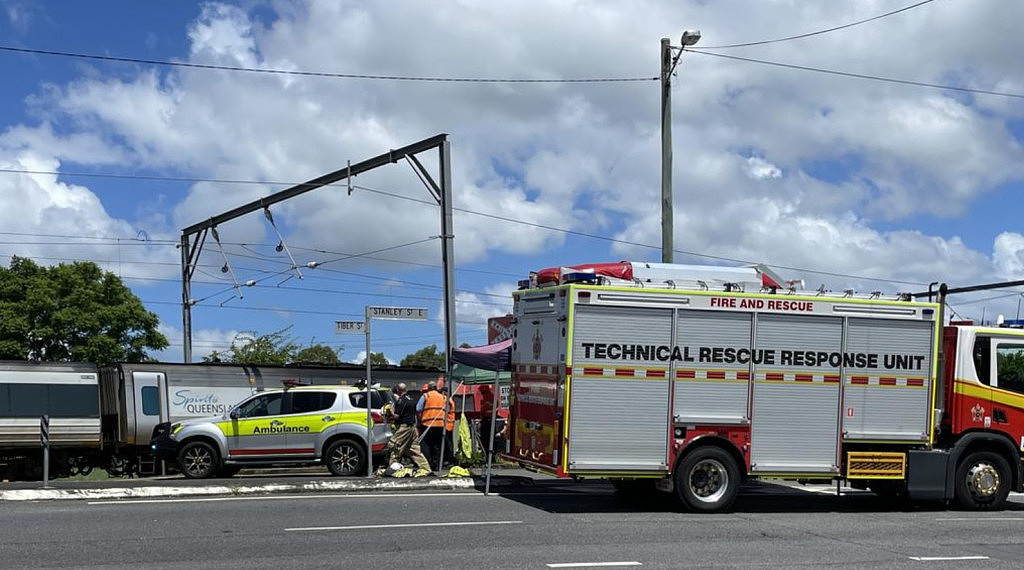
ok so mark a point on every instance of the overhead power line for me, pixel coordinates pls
(270, 71)
(860, 75)
(476, 213)
(820, 32)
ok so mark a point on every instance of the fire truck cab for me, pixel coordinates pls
(692, 379)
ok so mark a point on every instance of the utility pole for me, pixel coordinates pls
(668, 66)
(667, 224)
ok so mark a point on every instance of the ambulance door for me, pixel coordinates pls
(257, 431)
(620, 390)
(795, 424)
(309, 416)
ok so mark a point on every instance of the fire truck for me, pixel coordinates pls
(692, 379)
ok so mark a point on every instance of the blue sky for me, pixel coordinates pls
(838, 181)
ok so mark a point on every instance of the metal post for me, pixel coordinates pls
(186, 302)
(369, 401)
(448, 262)
(494, 424)
(666, 151)
(44, 439)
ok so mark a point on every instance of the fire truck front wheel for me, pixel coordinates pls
(983, 481)
(707, 479)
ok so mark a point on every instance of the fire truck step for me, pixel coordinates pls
(875, 465)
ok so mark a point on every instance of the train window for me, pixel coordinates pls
(1010, 367)
(262, 405)
(308, 402)
(150, 401)
(57, 400)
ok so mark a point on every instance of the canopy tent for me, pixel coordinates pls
(495, 357)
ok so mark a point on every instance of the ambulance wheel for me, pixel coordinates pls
(707, 479)
(983, 481)
(345, 457)
(198, 460)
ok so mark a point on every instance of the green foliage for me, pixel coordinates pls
(376, 359)
(319, 354)
(253, 348)
(426, 357)
(72, 312)
(273, 348)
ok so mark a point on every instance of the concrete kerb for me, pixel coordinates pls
(324, 486)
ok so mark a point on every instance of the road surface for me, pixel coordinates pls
(557, 526)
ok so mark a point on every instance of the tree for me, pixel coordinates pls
(426, 357)
(376, 359)
(319, 354)
(253, 348)
(72, 312)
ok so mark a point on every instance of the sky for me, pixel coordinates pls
(845, 182)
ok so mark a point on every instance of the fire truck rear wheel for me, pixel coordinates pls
(983, 481)
(707, 479)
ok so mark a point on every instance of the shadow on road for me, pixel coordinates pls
(759, 497)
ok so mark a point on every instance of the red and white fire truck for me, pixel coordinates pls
(692, 379)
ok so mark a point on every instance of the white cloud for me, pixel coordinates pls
(760, 169)
(777, 165)
(204, 342)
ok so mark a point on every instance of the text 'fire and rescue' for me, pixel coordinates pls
(730, 355)
(770, 304)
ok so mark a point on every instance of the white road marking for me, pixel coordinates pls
(282, 497)
(319, 496)
(942, 558)
(979, 519)
(405, 525)
(591, 564)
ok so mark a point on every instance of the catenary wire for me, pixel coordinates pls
(820, 32)
(860, 75)
(506, 219)
(271, 71)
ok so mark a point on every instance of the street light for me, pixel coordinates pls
(668, 66)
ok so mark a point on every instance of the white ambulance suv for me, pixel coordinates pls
(304, 425)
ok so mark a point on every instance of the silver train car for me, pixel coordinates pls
(69, 394)
(103, 417)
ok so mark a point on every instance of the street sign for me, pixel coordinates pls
(44, 438)
(44, 430)
(397, 313)
(350, 327)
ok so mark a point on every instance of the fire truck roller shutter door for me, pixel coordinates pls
(619, 406)
(881, 402)
(795, 424)
(713, 390)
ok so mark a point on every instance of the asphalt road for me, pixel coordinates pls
(772, 526)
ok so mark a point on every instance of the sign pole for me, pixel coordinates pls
(357, 327)
(494, 424)
(44, 438)
(369, 400)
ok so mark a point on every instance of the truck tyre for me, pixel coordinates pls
(707, 479)
(983, 481)
(345, 457)
(198, 460)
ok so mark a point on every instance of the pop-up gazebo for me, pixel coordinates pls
(494, 357)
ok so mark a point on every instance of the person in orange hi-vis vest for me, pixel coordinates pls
(431, 410)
